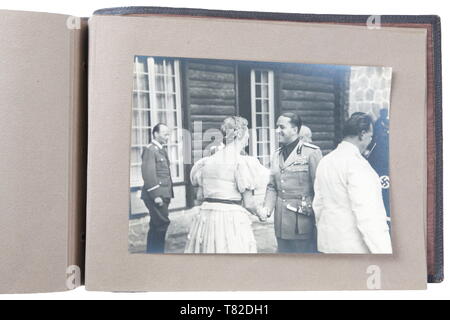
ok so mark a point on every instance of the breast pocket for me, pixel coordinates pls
(164, 181)
(162, 166)
(300, 167)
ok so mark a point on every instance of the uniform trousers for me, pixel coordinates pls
(297, 246)
(159, 223)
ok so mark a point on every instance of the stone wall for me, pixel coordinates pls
(370, 90)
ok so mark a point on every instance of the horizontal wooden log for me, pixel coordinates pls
(211, 67)
(212, 93)
(323, 136)
(307, 105)
(315, 113)
(206, 143)
(211, 85)
(211, 101)
(206, 125)
(210, 76)
(306, 85)
(230, 63)
(322, 128)
(206, 135)
(307, 95)
(197, 109)
(318, 120)
(209, 125)
(209, 118)
(317, 70)
(299, 77)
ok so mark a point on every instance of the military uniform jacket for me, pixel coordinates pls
(156, 173)
(290, 182)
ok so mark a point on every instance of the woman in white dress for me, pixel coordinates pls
(227, 181)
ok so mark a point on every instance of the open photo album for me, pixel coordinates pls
(167, 149)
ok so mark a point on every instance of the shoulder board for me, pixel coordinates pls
(309, 145)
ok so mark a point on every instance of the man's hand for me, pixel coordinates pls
(263, 214)
(268, 212)
(159, 201)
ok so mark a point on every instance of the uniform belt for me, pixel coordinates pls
(214, 200)
(293, 196)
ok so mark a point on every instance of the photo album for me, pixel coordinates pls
(175, 149)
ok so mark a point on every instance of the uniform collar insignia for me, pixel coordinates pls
(310, 145)
(156, 143)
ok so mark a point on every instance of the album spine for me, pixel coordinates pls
(78, 150)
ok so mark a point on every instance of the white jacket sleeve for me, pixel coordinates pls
(366, 200)
(318, 194)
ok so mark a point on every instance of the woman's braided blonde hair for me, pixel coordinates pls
(233, 128)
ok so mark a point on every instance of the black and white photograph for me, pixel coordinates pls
(245, 157)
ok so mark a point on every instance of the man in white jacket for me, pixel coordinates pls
(348, 203)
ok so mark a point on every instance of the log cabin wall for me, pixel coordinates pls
(212, 96)
(212, 90)
(317, 94)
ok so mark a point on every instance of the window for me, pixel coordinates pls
(262, 97)
(156, 98)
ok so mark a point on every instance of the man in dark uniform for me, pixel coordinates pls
(291, 188)
(379, 155)
(157, 190)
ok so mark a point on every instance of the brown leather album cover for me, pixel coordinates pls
(106, 169)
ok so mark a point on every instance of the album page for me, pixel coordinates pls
(43, 142)
(230, 154)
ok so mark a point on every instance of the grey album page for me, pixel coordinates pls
(159, 47)
(41, 124)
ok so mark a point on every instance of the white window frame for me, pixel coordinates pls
(153, 110)
(270, 114)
